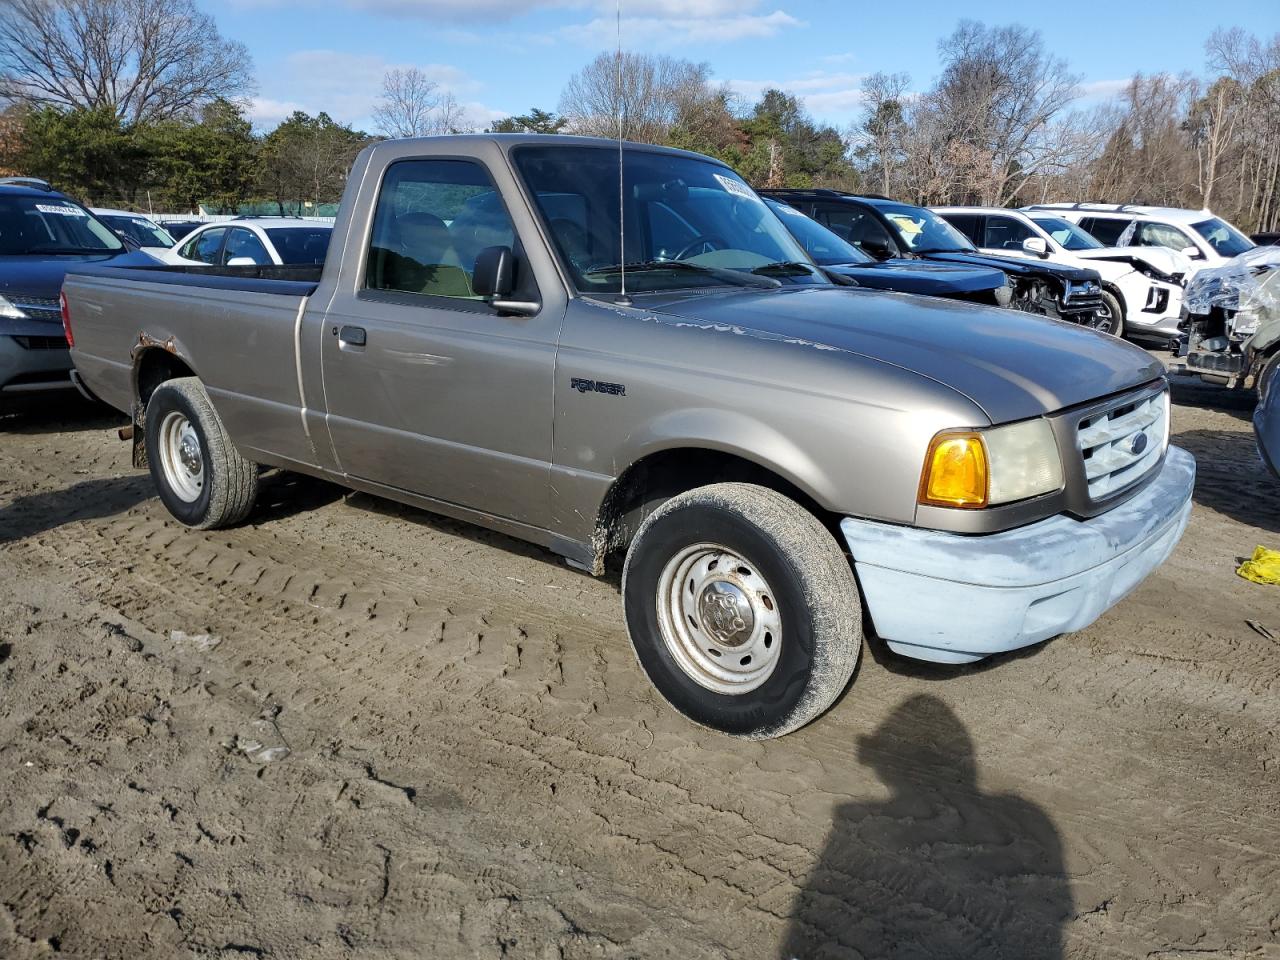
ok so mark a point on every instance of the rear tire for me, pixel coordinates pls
(742, 609)
(201, 477)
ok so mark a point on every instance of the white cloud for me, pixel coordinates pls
(1102, 89)
(831, 97)
(265, 112)
(679, 30)
(347, 86)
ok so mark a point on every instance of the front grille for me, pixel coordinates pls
(39, 308)
(1122, 443)
(42, 343)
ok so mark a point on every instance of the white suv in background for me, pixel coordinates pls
(1141, 288)
(253, 241)
(1206, 240)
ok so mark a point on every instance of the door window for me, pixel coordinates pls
(432, 220)
(205, 246)
(859, 227)
(1005, 233)
(970, 224)
(1106, 230)
(242, 243)
(1151, 234)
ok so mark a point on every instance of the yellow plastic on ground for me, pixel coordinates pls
(1262, 567)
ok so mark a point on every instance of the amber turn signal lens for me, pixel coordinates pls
(955, 472)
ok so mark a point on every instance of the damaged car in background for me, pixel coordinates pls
(1231, 333)
(889, 230)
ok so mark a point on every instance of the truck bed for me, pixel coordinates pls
(294, 280)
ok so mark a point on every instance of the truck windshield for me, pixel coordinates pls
(1225, 239)
(139, 229)
(52, 225)
(1066, 234)
(824, 246)
(923, 231)
(689, 222)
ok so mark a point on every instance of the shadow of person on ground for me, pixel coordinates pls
(939, 868)
(41, 512)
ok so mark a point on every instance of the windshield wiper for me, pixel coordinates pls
(736, 277)
(785, 268)
(928, 250)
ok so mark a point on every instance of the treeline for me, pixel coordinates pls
(214, 158)
(1005, 121)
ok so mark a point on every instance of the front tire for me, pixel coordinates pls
(201, 477)
(1111, 317)
(742, 609)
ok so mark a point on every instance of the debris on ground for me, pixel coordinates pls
(198, 641)
(1262, 567)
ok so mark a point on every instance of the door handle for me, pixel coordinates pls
(352, 336)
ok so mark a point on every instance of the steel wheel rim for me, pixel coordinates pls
(719, 619)
(181, 457)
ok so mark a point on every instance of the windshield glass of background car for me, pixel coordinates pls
(1066, 234)
(35, 225)
(923, 231)
(1225, 239)
(300, 244)
(140, 230)
(677, 209)
(824, 246)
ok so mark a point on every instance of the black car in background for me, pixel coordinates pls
(888, 230)
(42, 233)
(837, 256)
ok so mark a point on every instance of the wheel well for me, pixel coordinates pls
(1115, 292)
(152, 368)
(652, 480)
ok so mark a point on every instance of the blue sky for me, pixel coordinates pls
(501, 57)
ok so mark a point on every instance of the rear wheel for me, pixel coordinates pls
(201, 477)
(742, 609)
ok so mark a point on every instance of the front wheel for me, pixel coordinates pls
(1111, 316)
(742, 609)
(201, 477)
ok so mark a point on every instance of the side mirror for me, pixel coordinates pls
(1192, 252)
(877, 248)
(242, 262)
(494, 278)
(1035, 246)
(495, 272)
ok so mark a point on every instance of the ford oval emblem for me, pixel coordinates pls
(1138, 443)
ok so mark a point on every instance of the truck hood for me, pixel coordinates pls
(920, 276)
(1011, 364)
(1016, 266)
(41, 275)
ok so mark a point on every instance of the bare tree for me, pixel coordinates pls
(994, 109)
(880, 132)
(414, 105)
(653, 94)
(143, 59)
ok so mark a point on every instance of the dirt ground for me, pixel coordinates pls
(476, 768)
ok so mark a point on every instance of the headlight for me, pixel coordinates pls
(981, 468)
(9, 311)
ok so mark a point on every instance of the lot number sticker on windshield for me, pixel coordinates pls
(736, 187)
(66, 211)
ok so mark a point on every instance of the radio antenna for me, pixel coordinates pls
(623, 299)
